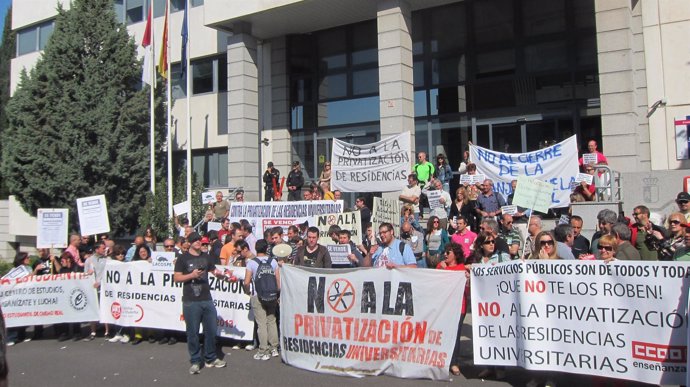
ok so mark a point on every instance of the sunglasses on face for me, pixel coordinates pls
(682, 201)
(546, 242)
(606, 248)
(674, 222)
(169, 246)
(489, 242)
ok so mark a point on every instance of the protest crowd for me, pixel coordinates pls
(437, 230)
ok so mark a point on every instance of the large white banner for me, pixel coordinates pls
(49, 299)
(134, 295)
(93, 215)
(556, 164)
(624, 320)
(381, 166)
(265, 215)
(370, 321)
(52, 228)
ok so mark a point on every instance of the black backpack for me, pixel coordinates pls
(265, 283)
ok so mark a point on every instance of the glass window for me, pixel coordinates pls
(490, 95)
(543, 16)
(584, 13)
(451, 69)
(119, 6)
(420, 103)
(421, 136)
(44, 32)
(417, 33)
(222, 71)
(211, 167)
(178, 87)
(301, 90)
(26, 40)
(333, 86)
(349, 111)
(202, 78)
(365, 82)
(158, 8)
(493, 21)
(331, 46)
(418, 73)
(177, 5)
(586, 54)
(135, 11)
(364, 43)
(495, 63)
(303, 150)
(546, 56)
(448, 28)
(196, 3)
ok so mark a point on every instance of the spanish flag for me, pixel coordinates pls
(163, 60)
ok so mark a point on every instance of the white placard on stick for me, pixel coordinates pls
(533, 193)
(434, 198)
(589, 158)
(181, 208)
(93, 215)
(162, 261)
(586, 177)
(52, 228)
(510, 209)
(339, 254)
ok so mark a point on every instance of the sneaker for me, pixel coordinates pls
(275, 353)
(550, 383)
(27, 339)
(63, 337)
(116, 339)
(10, 343)
(216, 363)
(90, 337)
(194, 369)
(136, 341)
(172, 341)
(236, 346)
(261, 356)
(163, 341)
(250, 347)
(152, 340)
(124, 339)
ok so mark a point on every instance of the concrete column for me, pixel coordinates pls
(396, 89)
(280, 107)
(243, 112)
(625, 132)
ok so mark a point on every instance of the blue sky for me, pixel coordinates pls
(4, 5)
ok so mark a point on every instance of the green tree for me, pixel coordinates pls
(155, 211)
(7, 48)
(79, 123)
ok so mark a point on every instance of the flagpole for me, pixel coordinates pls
(189, 112)
(152, 103)
(169, 109)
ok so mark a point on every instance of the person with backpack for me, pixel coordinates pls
(192, 269)
(262, 270)
(391, 252)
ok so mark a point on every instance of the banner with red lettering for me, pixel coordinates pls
(623, 320)
(48, 299)
(400, 322)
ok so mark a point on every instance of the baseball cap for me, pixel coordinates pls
(193, 237)
(683, 196)
(204, 240)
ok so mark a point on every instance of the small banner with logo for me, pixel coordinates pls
(622, 320)
(48, 299)
(362, 322)
(135, 294)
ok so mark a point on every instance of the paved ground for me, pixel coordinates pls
(99, 363)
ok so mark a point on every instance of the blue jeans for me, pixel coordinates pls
(202, 313)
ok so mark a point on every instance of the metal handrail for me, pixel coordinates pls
(607, 184)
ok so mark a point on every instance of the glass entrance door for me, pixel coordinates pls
(508, 134)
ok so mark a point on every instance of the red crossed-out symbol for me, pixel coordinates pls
(341, 295)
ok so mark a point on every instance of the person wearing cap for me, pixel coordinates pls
(271, 179)
(192, 269)
(295, 181)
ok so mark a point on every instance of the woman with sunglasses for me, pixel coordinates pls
(667, 247)
(436, 239)
(485, 251)
(608, 246)
(544, 246)
(454, 259)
